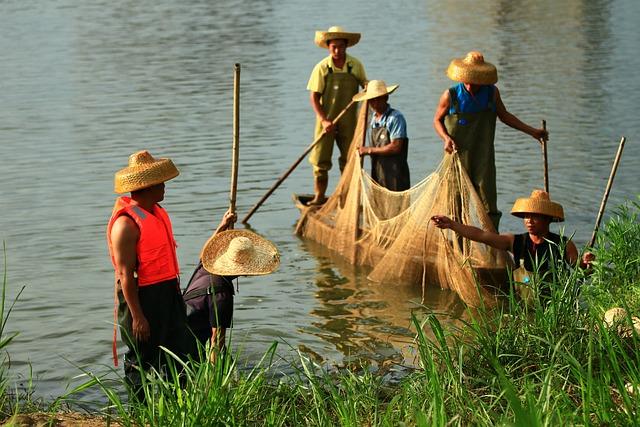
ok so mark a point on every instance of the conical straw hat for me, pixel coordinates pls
(539, 203)
(143, 171)
(239, 253)
(375, 88)
(472, 69)
(333, 33)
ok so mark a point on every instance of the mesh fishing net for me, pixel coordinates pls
(391, 232)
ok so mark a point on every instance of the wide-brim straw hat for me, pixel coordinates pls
(472, 69)
(143, 171)
(239, 253)
(322, 37)
(539, 203)
(375, 88)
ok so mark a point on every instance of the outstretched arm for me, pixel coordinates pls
(510, 120)
(498, 241)
(438, 123)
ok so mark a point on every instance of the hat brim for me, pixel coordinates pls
(322, 38)
(364, 96)
(479, 74)
(141, 177)
(266, 261)
(525, 206)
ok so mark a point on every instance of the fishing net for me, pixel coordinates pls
(391, 232)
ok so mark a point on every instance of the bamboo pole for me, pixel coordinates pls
(545, 157)
(356, 232)
(293, 166)
(612, 175)
(236, 139)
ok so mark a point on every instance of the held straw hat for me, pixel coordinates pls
(472, 69)
(333, 33)
(143, 171)
(239, 253)
(375, 88)
(539, 203)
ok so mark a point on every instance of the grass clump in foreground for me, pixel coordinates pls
(556, 364)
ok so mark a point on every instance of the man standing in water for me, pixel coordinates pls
(389, 142)
(332, 84)
(465, 119)
(151, 312)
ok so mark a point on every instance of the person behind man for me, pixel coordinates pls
(227, 255)
(389, 142)
(538, 246)
(150, 311)
(465, 119)
(332, 84)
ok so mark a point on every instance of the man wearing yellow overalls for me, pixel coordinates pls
(332, 84)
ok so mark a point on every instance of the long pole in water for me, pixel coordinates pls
(236, 139)
(607, 190)
(545, 157)
(293, 166)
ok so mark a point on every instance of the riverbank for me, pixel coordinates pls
(545, 364)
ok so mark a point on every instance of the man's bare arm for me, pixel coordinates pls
(512, 121)
(495, 240)
(124, 238)
(438, 123)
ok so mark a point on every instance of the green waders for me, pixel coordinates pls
(339, 88)
(473, 134)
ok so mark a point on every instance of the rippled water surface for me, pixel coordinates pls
(86, 83)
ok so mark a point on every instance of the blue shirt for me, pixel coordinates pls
(475, 103)
(394, 121)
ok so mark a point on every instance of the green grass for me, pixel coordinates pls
(539, 365)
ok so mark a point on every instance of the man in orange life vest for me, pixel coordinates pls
(151, 311)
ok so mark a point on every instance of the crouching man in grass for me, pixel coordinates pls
(227, 255)
(534, 250)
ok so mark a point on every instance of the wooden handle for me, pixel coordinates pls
(545, 158)
(236, 140)
(612, 175)
(293, 166)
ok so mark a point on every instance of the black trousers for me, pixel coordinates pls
(164, 309)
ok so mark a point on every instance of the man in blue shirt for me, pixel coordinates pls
(389, 141)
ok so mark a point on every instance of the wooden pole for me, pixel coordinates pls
(293, 166)
(356, 232)
(236, 139)
(607, 190)
(544, 156)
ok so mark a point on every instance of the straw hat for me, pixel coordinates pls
(143, 171)
(333, 33)
(239, 253)
(473, 70)
(375, 88)
(538, 203)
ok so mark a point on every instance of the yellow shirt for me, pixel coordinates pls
(320, 71)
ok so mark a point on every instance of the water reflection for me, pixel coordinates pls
(370, 323)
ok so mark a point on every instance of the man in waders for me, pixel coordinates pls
(389, 142)
(332, 84)
(536, 249)
(465, 119)
(150, 310)
(227, 255)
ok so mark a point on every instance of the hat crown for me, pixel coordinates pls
(336, 29)
(141, 158)
(241, 249)
(474, 58)
(375, 87)
(540, 195)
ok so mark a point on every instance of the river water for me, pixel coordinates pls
(86, 83)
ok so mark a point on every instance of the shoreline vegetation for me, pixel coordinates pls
(554, 363)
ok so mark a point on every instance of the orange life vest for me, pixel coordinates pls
(156, 248)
